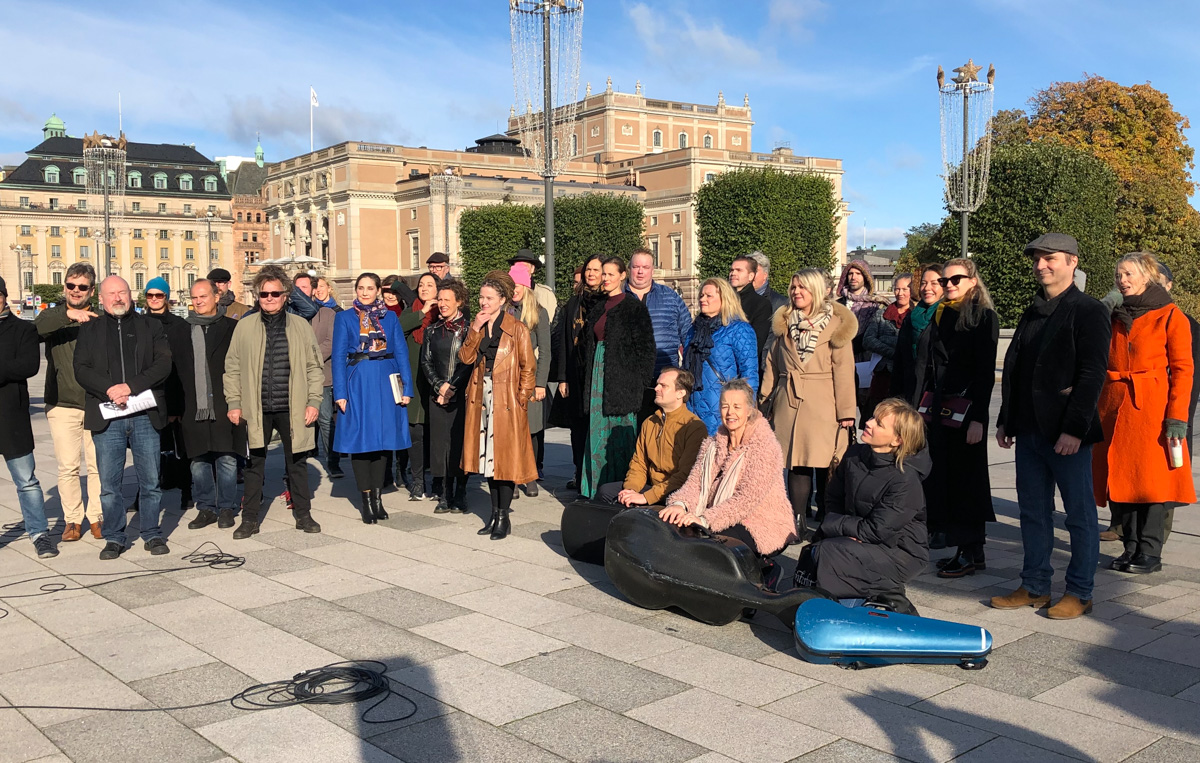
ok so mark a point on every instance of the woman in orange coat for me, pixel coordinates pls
(1143, 411)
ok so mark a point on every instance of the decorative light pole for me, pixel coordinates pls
(450, 183)
(20, 252)
(966, 102)
(547, 37)
(104, 160)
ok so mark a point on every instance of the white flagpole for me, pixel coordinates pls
(310, 121)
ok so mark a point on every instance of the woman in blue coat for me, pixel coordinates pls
(721, 346)
(368, 348)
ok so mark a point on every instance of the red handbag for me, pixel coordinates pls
(951, 413)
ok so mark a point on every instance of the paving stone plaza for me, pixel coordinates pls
(512, 652)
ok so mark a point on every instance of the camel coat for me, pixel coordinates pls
(513, 378)
(823, 387)
(1149, 380)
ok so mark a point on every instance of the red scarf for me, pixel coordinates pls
(418, 334)
(894, 315)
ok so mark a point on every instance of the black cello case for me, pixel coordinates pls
(584, 526)
(713, 578)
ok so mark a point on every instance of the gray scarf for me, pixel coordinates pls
(204, 395)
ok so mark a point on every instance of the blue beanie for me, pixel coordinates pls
(160, 284)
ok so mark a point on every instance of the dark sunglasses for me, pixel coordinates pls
(954, 279)
(155, 295)
(78, 287)
(271, 294)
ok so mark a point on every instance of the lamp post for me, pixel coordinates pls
(966, 164)
(20, 252)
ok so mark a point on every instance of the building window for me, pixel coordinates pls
(25, 231)
(657, 140)
(185, 182)
(164, 253)
(29, 281)
(214, 236)
(245, 237)
(84, 232)
(137, 206)
(257, 217)
(189, 235)
(134, 179)
(55, 250)
(213, 255)
(139, 280)
(112, 252)
(24, 201)
(189, 253)
(683, 140)
(137, 232)
(709, 177)
(210, 184)
(412, 214)
(50, 174)
(163, 234)
(212, 208)
(191, 279)
(79, 175)
(160, 181)
(708, 141)
(239, 217)
(187, 209)
(84, 252)
(137, 253)
(677, 218)
(676, 253)
(654, 250)
(56, 278)
(55, 231)
(254, 237)
(574, 144)
(653, 220)
(414, 248)
(162, 207)
(53, 203)
(166, 277)
(81, 205)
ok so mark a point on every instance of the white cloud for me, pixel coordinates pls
(880, 238)
(793, 16)
(688, 47)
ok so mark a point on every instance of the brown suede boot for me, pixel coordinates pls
(71, 533)
(1069, 607)
(1019, 598)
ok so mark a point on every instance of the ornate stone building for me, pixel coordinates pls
(175, 197)
(250, 226)
(368, 206)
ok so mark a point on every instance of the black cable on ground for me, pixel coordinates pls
(216, 559)
(341, 683)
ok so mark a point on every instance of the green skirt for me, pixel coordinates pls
(611, 439)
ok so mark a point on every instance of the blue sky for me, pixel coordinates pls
(853, 80)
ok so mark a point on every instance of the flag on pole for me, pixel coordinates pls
(312, 95)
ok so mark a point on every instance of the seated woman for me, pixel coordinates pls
(873, 538)
(736, 487)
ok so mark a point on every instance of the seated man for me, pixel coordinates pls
(873, 538)
(666, 448)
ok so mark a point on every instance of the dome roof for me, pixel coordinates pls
(54, 123)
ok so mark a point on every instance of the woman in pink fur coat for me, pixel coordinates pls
(736, 486)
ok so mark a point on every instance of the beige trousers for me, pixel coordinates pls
(72, 443)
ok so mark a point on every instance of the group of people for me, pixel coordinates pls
(740, 418)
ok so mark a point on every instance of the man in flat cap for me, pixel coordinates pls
(439, 265)
(1053, 372)
(227, 299)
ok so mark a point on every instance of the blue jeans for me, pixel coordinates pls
(29, 494)
(142, 438)
(1039, 469)
(326, 426)
(221, 493)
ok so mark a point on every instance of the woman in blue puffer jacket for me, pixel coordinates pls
(721, 346)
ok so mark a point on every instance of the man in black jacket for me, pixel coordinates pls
(756, 307)
(1053, 373)
(761, 279)
(19, 348)
(122, 361)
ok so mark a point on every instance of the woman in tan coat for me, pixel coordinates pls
(496, 442)
(811, 362)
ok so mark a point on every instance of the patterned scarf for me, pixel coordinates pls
(699, 349)
(371, 339)
(920, 315)
(805, 331)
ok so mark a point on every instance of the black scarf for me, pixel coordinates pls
(1137, 305)
(699, 349)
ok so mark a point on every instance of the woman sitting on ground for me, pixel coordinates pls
(736, 486)
(873, 538)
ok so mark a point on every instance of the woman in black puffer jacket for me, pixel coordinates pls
(873, 538)
(447, 379)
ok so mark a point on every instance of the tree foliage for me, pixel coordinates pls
(917, 249)
(790, 217)
(489, 236)
(1035, 188)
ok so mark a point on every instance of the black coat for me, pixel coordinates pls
(568, 345)
(758, 313)
(439, 359)
(172, 387)
(21, 360)
(629, 355)
(151, 368)
(1071, 364)
(200, 437)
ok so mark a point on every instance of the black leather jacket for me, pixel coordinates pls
(439, 357)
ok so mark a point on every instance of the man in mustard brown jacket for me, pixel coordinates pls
(667, 446)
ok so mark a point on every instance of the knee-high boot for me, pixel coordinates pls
(377, 504)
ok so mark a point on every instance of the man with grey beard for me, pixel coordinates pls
(122, 361)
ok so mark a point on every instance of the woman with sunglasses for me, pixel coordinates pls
(950, 378)
(368, 350)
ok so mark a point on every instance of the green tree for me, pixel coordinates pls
(1035, 188)
(918, 248)
(489, 236)
(790, 217)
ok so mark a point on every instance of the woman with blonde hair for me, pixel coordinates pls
(1143, 464)
(808, 386)
(721, 345)
(873, 538)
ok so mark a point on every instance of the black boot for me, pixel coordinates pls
(443, 488)
(366, 509)
(494, 522)
(1121, 563)
(503, 526)
(377, 504)
(458, 502)
(959, 565)
(1141, 564)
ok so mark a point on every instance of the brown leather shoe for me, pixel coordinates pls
(97, 530)
(71, 533)
(1109, 535)
(1019, 598)
(1069, 607)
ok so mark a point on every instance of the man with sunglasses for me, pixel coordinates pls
(121, 357)
(273, 382)
(58, 328)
